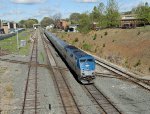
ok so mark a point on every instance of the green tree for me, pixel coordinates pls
(98, 15)
(101, 8)
(84, 23)
(102, 20)
(143, 12)
(22, 23)
(35, 20)
(74, 18)
(112, 14)
(95, 15)
(29, 23)
(46, 21)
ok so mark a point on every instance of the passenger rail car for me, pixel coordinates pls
(80, 62)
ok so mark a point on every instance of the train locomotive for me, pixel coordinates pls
(80, 62)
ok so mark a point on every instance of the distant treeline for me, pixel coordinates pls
(103, 16)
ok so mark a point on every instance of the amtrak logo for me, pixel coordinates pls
(87, 65)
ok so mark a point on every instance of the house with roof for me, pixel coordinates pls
(8, 26)
(131, 21)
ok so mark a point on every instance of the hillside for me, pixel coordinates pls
(129, 48)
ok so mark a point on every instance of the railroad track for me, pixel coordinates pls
(30, 102)
(103, 104)
(123, 75)
(68, 101)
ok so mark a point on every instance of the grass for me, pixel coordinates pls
(9, 88)
(2, 70)
(145, 29)
(42, 56)
(87, 47)
(10, 44)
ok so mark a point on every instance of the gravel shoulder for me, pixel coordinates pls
(128, 97)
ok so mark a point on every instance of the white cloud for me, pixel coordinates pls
(12, 13)
(88, 1)
(27, 1)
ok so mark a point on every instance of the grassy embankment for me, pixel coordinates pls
(129, 48)
(9, 45)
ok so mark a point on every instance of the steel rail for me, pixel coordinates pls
(32, 72)
(105, 105)
(140, 82)
(67, 89)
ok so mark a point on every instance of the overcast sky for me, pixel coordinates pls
(23, 9)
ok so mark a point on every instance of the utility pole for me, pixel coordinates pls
(17, 31)
(17, 40)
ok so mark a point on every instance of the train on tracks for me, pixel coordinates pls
(80, 62)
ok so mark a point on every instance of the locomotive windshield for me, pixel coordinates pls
(89, 60)
(86, 60)
(82, 60)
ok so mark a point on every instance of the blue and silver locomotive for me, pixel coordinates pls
(80, 62)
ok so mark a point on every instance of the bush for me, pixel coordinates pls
(138, 63)
(139, 33)
(94, 37)
(87, 47)
(126, 62)
(9, 88)
(76, 40)
(106, 33)
(95, 50)
(103, 45)
(85, 23)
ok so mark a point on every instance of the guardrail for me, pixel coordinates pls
(2, 37)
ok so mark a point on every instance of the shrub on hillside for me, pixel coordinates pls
(95, 36)
(76, 39)
(87, 47)
(103, 45)
(139, 33)
(106, 33)
(138, 63)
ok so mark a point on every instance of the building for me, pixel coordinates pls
(73, 28)
(62, 24)
(51, 26)
(95, 26)
(36, 26)
(1, 29)
(131, 21)
(8, 26)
